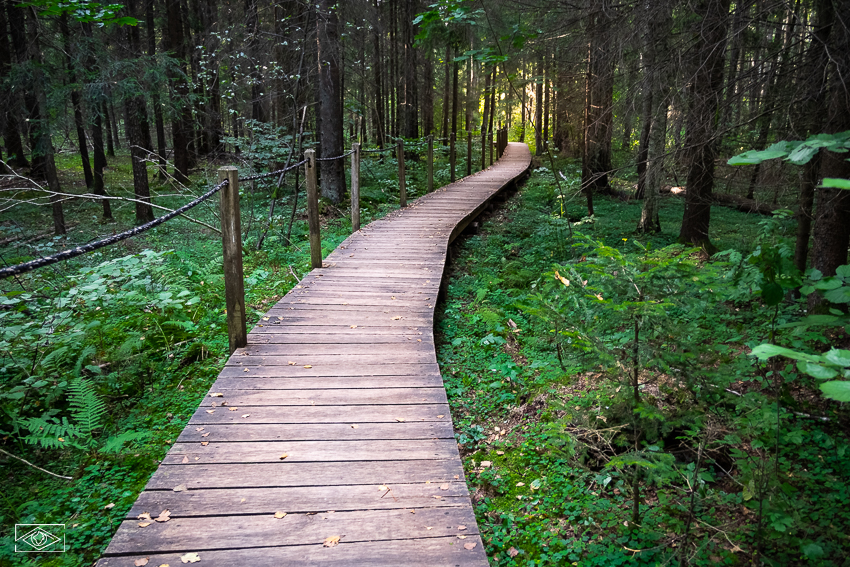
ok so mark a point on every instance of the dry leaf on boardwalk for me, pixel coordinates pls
(207, 434)
(164, 516)
(282, 457)
(444, 487)
(185, 459)
(204, 443)
(279, 515)
(210, 411)
(470, 546)
(145, 516)
(180, 488)
(354, 426)
(291, 363)
(216, 395)
(308, 366)
(331, 541)
(199, 429)
(144, 524)
(141, 562)
(461, 537)
(246, 370)
(233, 408)
(246, 415)
(461, 527)
(190, 558)
(441, 416)
(400, 419)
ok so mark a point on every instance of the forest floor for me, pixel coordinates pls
(137, 329)
(733, 462)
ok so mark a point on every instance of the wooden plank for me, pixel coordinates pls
(325, 414)
(332, 370)
(320, 349)
(379, 355)
(326, 382)
(318, 432)
(280, 474)
(327, 397)
(302, 451)
(215, 502)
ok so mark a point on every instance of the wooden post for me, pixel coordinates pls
(452, 157)
(231, 239)
(313, 209)
(402, 186)
(430, 163)
(491, 148)
(469, 153)
(355, 187)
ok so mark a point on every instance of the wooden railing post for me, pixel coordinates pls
(231, 239)
(313, 209)
(469, 153)
(430, 163)
(452, 157)
(491, 148)
(402, 185)
(355, 187)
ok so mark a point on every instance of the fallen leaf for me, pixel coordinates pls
(282, 457)
(190, 558)
(354, 426)
(207, 434)
(246, 415)
(441, 416)
(165, 565)
(308, 366)
(383, 488)
(164, 516)
(353, 326)
(513, 552)
(185, 460)
(444, 487)
(210, 411)
(331, 541)
(180, 488)
(470, 546)
(141, 562)
(233, 408)
(204, 443)
(246, 370)
(437, 497)
(511, 323)
(485, 464)
(428, 528)
(199, 429)
(500, 452)
(461, 527)
(279, 515)
(144, 524)
(216, 395)
(145, 516)
(109, 506)
(399, 419)
(520, 484)
(396, 318)
(461, 537)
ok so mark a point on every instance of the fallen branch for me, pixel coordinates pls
(26, 462)
(727, 200)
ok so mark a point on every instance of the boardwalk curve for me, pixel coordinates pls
(335, 413)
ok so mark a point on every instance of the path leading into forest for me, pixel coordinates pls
(334, 414)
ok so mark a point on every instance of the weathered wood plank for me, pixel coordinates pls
(327, 382)
(324, 414)
(318, 432)
(328, 369)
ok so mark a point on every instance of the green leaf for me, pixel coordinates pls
(802, 155)
(765, 351)
(816, 370)
(812, 551)
(771, 294)
(838, 357)
(843, 271)
(835, 183)
(838, 295)
(828, 283)
(837, 390)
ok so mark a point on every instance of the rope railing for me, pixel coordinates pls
(346, 154)
(272, 173)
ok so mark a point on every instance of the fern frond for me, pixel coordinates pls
(49, 435)
(114, 443)
(82, 358)
(87, 408)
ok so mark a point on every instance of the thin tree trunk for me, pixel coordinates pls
(379, 92)
(331, 144)
(11, 131)
(159, 123)
(428, 93)
(110, 144)
(20, 43)
(485, 118)
(446, 91)
(181, 126)
(75, 100)
(538, 108)
(546, 77)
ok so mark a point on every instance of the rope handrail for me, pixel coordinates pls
(346, 154)
(378, 150)
(271, 173)
(92, 246)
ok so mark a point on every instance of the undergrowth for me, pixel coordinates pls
(606, 405)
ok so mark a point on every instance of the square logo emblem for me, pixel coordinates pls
(39, 538)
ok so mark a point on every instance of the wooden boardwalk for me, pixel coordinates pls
(335, 413)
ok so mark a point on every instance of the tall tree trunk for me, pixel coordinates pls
(181, 126)
(428, 93)
(331, 143)
(116, 139)
(11, 132)
(159, 123)
(75, 99)
(411, 123)
(486, 117)
(42, 134)
(110, 143)
(380, 121)
(455, 73)
(811, 118)
(643, 143)
(561, 137)
(446, 90)
(546, 78)
(599, 93)
(252, 24)
(538, 107)
(832, 215)
(17, 28)
(706, 88)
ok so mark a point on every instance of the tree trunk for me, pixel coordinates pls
(706, 87)
(75, 100)
(110, 144)
(411, 115)
(252, 24)
(643, 143)
(546, 78)
(17, 27)
(832, 215)
(428, 93)
(446, 90)
(11, 131)
(485, 118)
(331, 142)
(181, 126)
(159, 123)
(380, 122)
(538, 108)
(455, 72)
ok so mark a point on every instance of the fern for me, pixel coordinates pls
(87, 408)
(114, 443)
(82, 358)
(50, 435)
